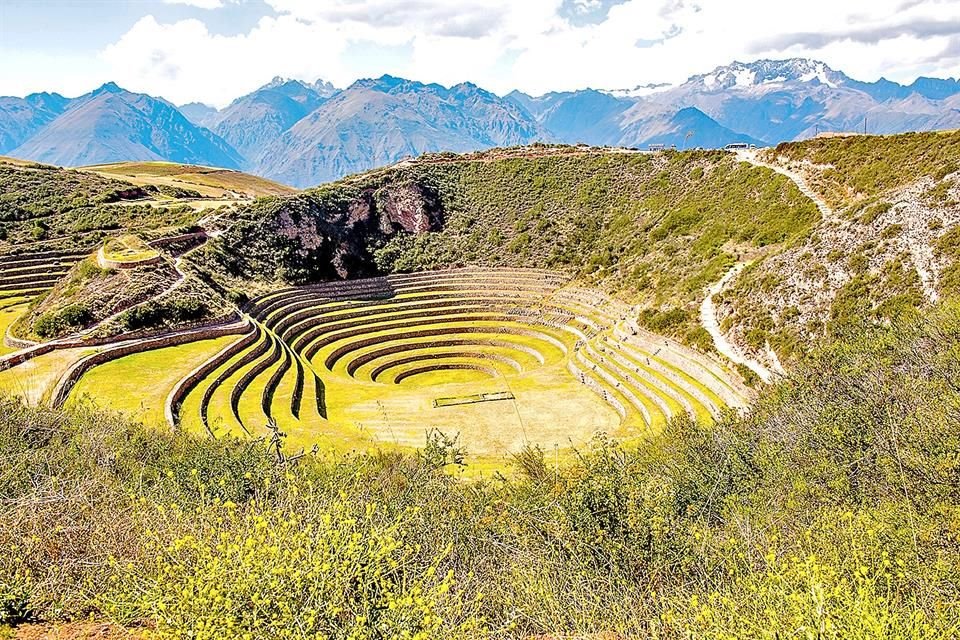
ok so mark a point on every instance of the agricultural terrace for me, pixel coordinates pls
(23, 277)
(127, 250)
(504, 357)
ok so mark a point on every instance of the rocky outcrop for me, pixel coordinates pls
(314, 237)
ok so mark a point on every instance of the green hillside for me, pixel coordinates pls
(655, 230)
(853, 170)
(889, 249)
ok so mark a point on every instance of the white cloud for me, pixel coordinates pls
(199, 4)
(505, 44)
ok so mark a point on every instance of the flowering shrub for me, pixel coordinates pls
(223, 571)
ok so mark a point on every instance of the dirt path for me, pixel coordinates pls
(921, 253)
(799, 180)
(708, 318)
(181, 279)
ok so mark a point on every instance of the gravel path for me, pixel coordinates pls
(825, 210)
(920, 252)
(708, 318)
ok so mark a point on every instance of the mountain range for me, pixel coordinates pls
(306, 133)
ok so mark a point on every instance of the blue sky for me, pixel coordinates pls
(215, 50)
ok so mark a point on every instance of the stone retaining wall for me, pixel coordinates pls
(183, 237)
(266, 398)
(42, 255)
(261, 365)
(478, 355)
(455, 366)
(79, 368)
(187, 384)
(394, 349)
(106, 263)
(247, 357)
(338, 353)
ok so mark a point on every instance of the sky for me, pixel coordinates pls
(213, 51)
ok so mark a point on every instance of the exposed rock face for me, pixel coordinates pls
(308, 238)
(409, 207)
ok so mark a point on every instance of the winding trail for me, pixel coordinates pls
(797, 179)
(708, 318)
(920, 253)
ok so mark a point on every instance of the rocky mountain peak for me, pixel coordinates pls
(766, 72)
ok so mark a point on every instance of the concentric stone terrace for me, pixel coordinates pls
(533, 359)
(22, 278)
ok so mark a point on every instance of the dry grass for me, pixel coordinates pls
(208, 181)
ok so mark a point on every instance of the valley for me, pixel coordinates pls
(603, 351)
(463, 320)
(614, 280)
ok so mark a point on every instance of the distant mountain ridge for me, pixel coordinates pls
(254, 121)
(377, 122)
(303, 133)
(111, 123)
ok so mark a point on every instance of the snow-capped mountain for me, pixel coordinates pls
(778, 100)
(304, 133)
(767, 75)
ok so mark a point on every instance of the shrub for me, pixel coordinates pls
(316, 569)
(58, 322)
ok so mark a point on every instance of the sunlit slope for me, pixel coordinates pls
(209, 182)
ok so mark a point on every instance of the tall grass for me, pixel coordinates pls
(829, 511)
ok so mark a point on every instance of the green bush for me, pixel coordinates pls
(61, 321)
(159, 313)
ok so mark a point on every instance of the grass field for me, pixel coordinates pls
(138, 384)
(8, 316)
(34, 380)
(128, 248)
(210, 182)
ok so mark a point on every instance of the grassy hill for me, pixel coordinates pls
(209, 182)
(55, 206)
(655, 230)
(889, 248)
(854, 171)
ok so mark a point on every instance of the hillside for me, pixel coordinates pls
(654, 229)
(888, 248)
(52, 205)
(209, 182)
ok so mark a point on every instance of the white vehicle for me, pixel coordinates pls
(733, 146)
